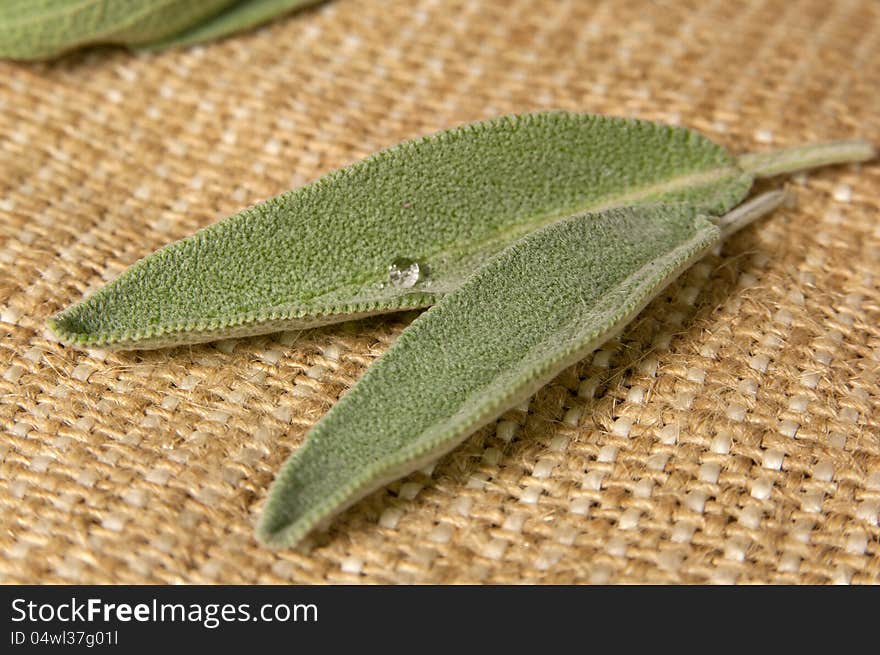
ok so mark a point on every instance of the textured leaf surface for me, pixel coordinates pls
(538, 307)
(39, 29)
(321, 253)
(240, 16)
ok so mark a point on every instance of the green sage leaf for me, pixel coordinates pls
(41, 29)
(539, 306)
(400, 228)
(237, 18)
(540, 235)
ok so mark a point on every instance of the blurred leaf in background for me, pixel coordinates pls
(43, 29)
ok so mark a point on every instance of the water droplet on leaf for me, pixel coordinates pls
(403, 273)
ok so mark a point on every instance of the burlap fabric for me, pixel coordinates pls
(732, 434)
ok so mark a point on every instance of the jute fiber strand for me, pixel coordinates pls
(730, 434)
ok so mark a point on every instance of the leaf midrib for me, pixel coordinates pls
(510, 234)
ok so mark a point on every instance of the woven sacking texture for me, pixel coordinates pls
(730, 434)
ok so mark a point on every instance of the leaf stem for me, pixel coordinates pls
(789, 160)
(750, 211)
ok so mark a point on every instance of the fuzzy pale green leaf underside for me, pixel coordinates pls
(41, 29)
(539, 306)
(321, 253)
